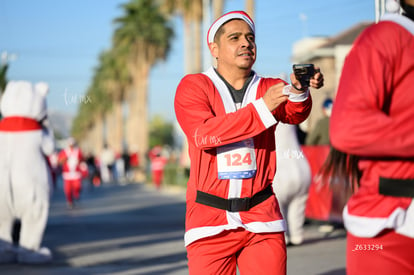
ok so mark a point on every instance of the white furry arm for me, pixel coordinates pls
(48, 141)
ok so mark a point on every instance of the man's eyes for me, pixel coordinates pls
(249, 38)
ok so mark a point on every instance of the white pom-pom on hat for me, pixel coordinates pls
(392, 6)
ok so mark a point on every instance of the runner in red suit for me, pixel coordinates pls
(229, 115)
(158, 162)
(372, 119)
(71, 159)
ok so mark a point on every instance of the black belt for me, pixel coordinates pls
(397, 187)
(236, 204)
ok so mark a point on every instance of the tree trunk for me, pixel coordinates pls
(217, 8)
(118, 126)
(137, 131)
(197, 46)
(197, 15)
(96, 135)
(250, 8)
(188, 49)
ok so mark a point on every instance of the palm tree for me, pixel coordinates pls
(217, 8)
(192, 14)
(145, 34)
(3, 78)
(116, 79)
(88, 125)
(250, 8)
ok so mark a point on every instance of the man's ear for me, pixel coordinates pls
(213, 49)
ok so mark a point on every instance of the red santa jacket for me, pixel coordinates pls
(205, 111)
(372, 118)
(72, 163)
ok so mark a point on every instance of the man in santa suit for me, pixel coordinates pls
(158, 162)
(372, 120)
(228, 115)
(71, 160)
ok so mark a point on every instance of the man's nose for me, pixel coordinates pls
(243, 43)
(246, 42)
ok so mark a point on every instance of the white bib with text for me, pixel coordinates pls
(236, 160)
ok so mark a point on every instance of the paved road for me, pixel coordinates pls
(134, 229)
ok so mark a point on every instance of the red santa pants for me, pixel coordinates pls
(72, 189)
(387, 253)
(253, 253)
(157, 177)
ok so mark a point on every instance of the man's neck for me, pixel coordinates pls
(236, 78)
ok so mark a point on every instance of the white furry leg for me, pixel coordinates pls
(33, 225)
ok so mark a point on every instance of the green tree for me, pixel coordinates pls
(116, 79)
(144, 32)
(91, 114)
(3, 78)
(161, 132)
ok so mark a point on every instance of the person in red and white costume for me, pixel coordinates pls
(371, 120)
(158, 162)
(71, 159)
(229, 114)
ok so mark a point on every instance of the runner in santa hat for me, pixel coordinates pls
(71, 159)
(371, 123)
(229, 114)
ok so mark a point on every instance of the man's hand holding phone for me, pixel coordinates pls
(304, 76)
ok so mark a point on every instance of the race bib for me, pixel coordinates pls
(236, 160)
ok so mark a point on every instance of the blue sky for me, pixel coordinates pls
(59, 41)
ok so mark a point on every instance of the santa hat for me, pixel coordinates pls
(225, 18)
(71, 141)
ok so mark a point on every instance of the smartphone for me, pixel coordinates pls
(303, 73)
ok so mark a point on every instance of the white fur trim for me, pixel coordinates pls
(294, 97)
(235, 189)
(368, 227)
(227, 17)
(407, 227)
(401, 20)
(265, 115)
(195, 234)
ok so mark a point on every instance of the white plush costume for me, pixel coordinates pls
(292, 180)
(25, 180)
